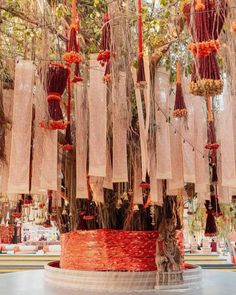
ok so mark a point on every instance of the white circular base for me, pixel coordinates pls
(33, 283)
(116, 281)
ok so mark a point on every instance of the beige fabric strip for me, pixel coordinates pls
(21, 128)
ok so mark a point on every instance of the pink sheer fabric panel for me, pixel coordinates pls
(188, 134)
(49, 175)
(81, 120)
(120, 125)
(137, 190)
(108, 184)
(226, 137)
(4, 168)
(19, 168)
(176, 183)
(96, 184)
(45, 153)
(201, 154)
(163, 150)
(97, 120)
(156, 185)
(142, 133)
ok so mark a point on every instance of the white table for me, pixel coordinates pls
(32, 283)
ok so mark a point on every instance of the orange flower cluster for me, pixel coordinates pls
(107, 78)
(77, 79)
(234, 26)
(212, 146)
(67, 147)
(41, 205)
(205, 48)
(54, 125)
(104, 57)
(200, 6)
(16, 214)
(180, 113)
(72, 57)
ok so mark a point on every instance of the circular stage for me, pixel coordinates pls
(33, 283)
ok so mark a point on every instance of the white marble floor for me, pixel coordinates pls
(32, 283)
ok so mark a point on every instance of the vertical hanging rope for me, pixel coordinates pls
(141, 80)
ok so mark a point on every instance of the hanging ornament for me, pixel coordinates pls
(104, 56)
(205, 20)
(199, 6)
(72, 55)
(211, 228)
(141, 79)
(180, 109)
(55, 84)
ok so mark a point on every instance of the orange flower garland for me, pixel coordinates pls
(204, 48)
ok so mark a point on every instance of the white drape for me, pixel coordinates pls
(8, 109)
(97, 120)
(81, 120)
(163, 152)
(188, 134)
(120, 125)
(155, 184)
(201, 154)
(96, 184)
(137, 190)
(19, 169)
(227, 145)
(45, 152)
(108, 184)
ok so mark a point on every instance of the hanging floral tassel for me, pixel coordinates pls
(104, 55)
(72, 56)
(55, 84)
(211, 228)
(180, 109)
(141, 80)
(205, 23)
(199, 6)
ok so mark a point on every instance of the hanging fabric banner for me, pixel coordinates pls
(96, 184)
(144, 121)
(137, 190)
(224, 193)
(8, 109)
(201, 155)
(176, 184)
(226, 139)
(49, 174)
(40, 111)
(120, 126)
(81, 120)
(45, 152)
(189, 136)
(155, 184)
(108, 184)
(163, 152)
(97, 120)
(19, 169)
